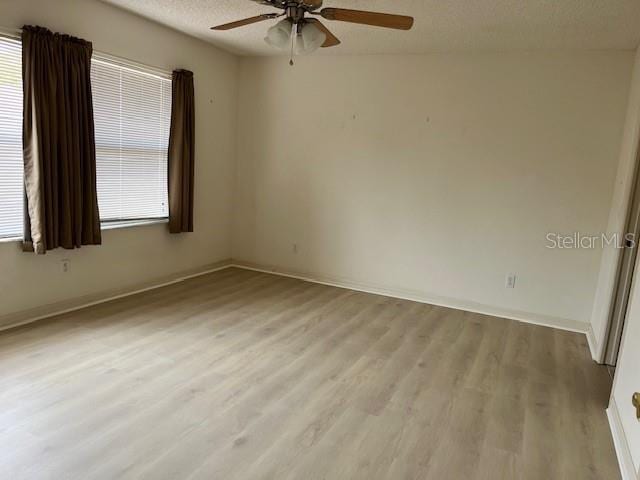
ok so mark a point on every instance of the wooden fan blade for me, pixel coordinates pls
(246, 21)
(331, 40)
(386, 20)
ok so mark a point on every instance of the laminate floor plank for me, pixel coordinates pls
(244, 375)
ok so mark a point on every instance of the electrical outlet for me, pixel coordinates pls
(65, 265)
(510, 280)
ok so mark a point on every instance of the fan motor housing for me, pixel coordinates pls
(308, 5)
(295, 13)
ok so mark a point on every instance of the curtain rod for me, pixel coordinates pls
(16, 34)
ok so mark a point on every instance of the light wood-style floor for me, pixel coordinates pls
(243, 375)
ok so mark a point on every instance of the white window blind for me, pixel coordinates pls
(132, 114)
(11, 165)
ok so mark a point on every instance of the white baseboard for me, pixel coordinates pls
(594, 348)
(416, 296)
(50, 310)
(620, 442)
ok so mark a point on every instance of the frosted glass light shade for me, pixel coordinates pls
(310, 39)
(279, 35)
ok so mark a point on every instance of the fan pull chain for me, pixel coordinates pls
(293, 42)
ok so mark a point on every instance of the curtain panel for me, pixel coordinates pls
(181, 153)
(58, 142)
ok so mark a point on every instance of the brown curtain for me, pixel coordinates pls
(58, 142)
(181, 153)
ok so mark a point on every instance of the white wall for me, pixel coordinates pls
(433, 175)
(137, 255)
(617, 215)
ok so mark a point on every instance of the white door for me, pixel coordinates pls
(627, 377)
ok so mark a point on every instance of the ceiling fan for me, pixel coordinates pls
(310, 33)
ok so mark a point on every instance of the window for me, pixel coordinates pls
(132, 114)
(11, 165)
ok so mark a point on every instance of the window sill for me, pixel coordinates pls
(107, 226)
(10, 239)
(132, 223)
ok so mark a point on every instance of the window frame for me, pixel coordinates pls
(138, 68)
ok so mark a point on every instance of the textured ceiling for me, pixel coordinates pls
(441, 25)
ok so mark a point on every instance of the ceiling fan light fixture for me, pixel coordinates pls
(279, 35)
(310, 39)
